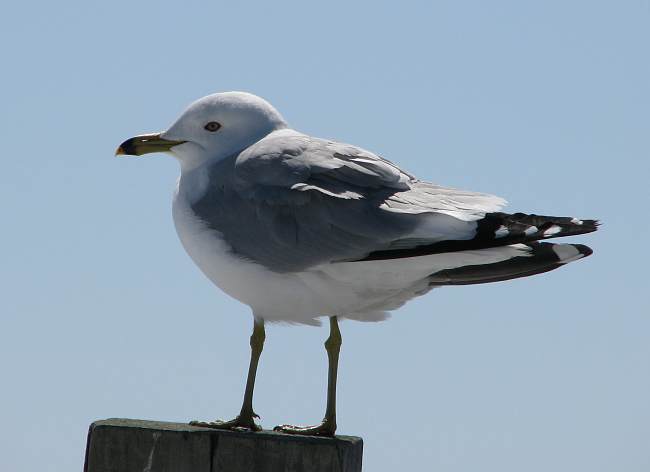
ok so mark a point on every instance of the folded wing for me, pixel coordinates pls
(306, 201)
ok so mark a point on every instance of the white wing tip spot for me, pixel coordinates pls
(551, 231)
(501, 232)
(567, 253)
(576, 221)
(531, 230)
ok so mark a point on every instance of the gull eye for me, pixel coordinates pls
(212, 126)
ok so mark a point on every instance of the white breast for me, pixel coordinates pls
(249, 283)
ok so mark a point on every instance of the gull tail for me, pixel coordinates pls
(535, 258)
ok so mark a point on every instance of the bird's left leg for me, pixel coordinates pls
(328, 426)
(246, 417)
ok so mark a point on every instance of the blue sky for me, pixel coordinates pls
(103, 315)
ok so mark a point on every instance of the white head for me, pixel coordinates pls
(211, 128)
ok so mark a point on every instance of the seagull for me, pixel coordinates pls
(299, 228)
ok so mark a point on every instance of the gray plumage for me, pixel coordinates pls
(290, 202)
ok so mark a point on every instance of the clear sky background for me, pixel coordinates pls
(103, 315)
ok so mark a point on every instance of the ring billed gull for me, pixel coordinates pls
(299, 227)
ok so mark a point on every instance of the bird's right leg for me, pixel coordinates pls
(327, 427)
(246, 417)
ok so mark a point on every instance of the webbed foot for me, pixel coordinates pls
(241, 422)
(326, 428)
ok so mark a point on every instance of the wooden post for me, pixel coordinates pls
(123, 445)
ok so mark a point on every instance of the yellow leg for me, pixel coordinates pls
(246, 417)
(328, 426)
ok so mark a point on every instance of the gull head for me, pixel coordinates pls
(211, 128)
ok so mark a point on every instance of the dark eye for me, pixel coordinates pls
(212, 126)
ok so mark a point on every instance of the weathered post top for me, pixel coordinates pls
(124, 445)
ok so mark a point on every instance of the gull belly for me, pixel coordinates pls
(363, 291)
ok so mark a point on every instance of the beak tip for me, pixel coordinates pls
(120, 152)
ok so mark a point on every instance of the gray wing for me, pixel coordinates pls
(291, 202)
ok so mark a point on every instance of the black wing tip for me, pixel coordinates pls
(540, 248)
(543, 257)
(486, 236)
(589, 225)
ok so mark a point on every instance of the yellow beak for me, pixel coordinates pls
(145, 144)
